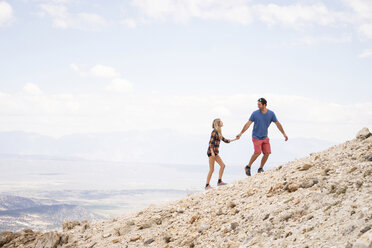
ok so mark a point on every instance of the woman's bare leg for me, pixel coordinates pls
(222, 166)
(211, 168)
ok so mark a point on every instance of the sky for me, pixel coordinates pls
(79, 66)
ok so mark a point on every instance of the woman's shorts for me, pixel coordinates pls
(210, 154)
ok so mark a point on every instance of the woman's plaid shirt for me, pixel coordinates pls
(214, 143)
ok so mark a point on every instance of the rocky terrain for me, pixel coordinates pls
(323, 200)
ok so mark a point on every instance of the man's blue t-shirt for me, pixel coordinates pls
(261, 123)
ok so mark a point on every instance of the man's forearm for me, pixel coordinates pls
(280, 128)
(246, 126)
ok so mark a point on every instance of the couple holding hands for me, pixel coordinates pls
(262, 119)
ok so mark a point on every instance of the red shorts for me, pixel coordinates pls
(261, 146)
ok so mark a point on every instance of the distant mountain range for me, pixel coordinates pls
(19, 213)
(157, 146)
(9, 202)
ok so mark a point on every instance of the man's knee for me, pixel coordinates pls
(266, 154)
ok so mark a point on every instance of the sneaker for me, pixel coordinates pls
(208, 187)
(260, 170)
(221, 183)
(247, 170)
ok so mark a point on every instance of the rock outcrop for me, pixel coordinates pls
(324, 200)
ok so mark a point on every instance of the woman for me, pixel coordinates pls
(213, 151)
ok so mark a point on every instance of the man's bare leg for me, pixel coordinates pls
(253, 158)
(264, 159)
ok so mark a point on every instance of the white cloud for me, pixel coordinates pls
(130, 23)
(55, 1)
(75, 67)
(32, 89)
(120, 85)
(313, 40)
(98, 71)
(183, 10)
(296, 15)
(243, 12)
(366, 30)
(363, 8)
(104, 71)
(221, 111)
(356, 16)
(62, 18)
(6, 13)
(366, 54)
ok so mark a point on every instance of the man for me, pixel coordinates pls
(262, 119)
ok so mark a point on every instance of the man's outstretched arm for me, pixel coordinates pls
(281, 130)
(246, 126)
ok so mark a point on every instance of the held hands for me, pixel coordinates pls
(237, 137)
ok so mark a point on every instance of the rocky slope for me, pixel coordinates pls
(324, 200)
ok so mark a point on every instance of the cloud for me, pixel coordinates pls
(366, 30)
(98, 71)
(75, 67)
(120, 85)
(366, 54)
(104, 71)
(362, 8)
(55, 1)
(353, 14)
(31, 89)
(321, 39)
(243, 12)
(63, 19)
(183, 10)
(362, 16)
(296, 15)
(6, 13)
(130, 23)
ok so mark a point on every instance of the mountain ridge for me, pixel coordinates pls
(323, 200)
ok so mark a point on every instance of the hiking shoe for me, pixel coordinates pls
(221, 183)
(247, 170)
(260, 170)
(208, 187)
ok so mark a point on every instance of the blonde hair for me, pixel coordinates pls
(216, 126)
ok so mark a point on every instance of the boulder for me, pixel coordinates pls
(363, 134)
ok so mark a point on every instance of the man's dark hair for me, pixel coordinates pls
(263, 101)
